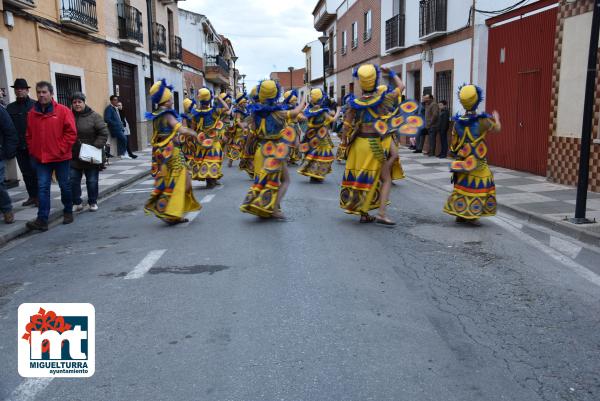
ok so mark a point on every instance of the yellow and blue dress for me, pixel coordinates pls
(239, 134)
(370, 124)
(209, 154)
(171, 197)
(317, 143)
(474, 193)
(273, 140)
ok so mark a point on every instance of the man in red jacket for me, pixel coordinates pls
(51, 133)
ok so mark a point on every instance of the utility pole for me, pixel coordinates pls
(588, 113)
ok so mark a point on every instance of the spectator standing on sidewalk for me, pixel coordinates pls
(51, 133)
(18, 111)
(91, 130)
(432, 116)
(126, 131)
(8, 149)
(443, 125)
(115, 125)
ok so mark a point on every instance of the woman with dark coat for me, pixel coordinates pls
(91, 130)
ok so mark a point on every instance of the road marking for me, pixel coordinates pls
(29, 389)
(554, 254)
(191, 217)
(137, 190)
(565, 247)
(207, 198)
(146, 264)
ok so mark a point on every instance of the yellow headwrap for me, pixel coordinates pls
(204, 95)
(382, 89)
(267, 90)
(292, 99)
(253, 91)
(469, 96)
(187, 105)
(160, 92)
(316, 95)
(367, 77)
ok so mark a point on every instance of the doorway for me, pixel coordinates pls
(124, 87)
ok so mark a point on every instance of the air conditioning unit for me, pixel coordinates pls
(427, 56)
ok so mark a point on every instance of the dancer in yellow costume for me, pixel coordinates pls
(249, 148)
(474, 193)
(211, 130)
(290, 101)
(369, 124)
(189, 145)
(172, 196)
(390, 139)
(271, 177)
(318, 144)
(240, 116)
(340, 155)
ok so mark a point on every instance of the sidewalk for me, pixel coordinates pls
(117, 175)
(529, 196)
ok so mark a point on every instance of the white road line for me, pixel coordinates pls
(29, 389)
(207, 198)
(565, 247)
(220, 187)
(191, 217)
(554, 254)
(146, 264)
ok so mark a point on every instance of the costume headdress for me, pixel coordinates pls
(368, 76)
(268, 91)
(290, 97)
(160, 92)
(317, 97)
(205, 96)
(470, 96)
(242, 97)
(254, 93)
(188, 104)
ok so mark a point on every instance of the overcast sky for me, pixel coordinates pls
(267, 35)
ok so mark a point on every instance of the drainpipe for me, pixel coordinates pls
(472, 40)
(150, 38)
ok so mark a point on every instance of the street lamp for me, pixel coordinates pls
(243, 76)
(291, 70)
(588, 114)
(323, 39)
(234, 59)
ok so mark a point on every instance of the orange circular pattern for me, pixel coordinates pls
(268, 149)
(409, 106)
(288, 135)
(282, 151)
(272, 164)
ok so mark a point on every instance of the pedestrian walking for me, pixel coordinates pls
(91, 130)
(273, 137)
(172, 196)
(18, 111)
(51, 133)
(474, 194)
(126, 132)
(9, 140)
(443, 124)
(115, 125)
(432, 116)
(318, 156)
(372, 152)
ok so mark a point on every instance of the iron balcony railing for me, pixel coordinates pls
(130, 23)
(218, 61)
(175, 52)
(159, 38)
(80, 12)
(395, 32)
(432, 16)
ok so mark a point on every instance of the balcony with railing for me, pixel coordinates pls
(324, 17)
(433, 16)
(159, 40)
(175, 50)
(130, 25)
(217, 70)
(395, 29)
(79, 14)
(21, 3)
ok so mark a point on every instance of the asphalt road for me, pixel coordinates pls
(315, 308)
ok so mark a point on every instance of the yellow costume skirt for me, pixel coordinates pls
(474, 194)
(211, 162)
(262, 196)
(235, 145)
(318, 160)
(247, 160)
(171, 198)
(341, 153)
(360, 185)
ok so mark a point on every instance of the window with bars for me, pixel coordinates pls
(443, 87)
(368, 24)
(66, 85)
(354, 35)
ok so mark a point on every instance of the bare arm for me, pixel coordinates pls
(299, 108)
(182, 130)
(497, 125)
(397, 81)
(225, 106)
(337, 113)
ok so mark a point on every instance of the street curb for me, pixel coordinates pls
(589, 238)
(57, 214)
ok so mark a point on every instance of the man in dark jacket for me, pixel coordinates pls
(115, 125)
(51, 133)
(443, 125)
(18, 112)
(8, 149)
